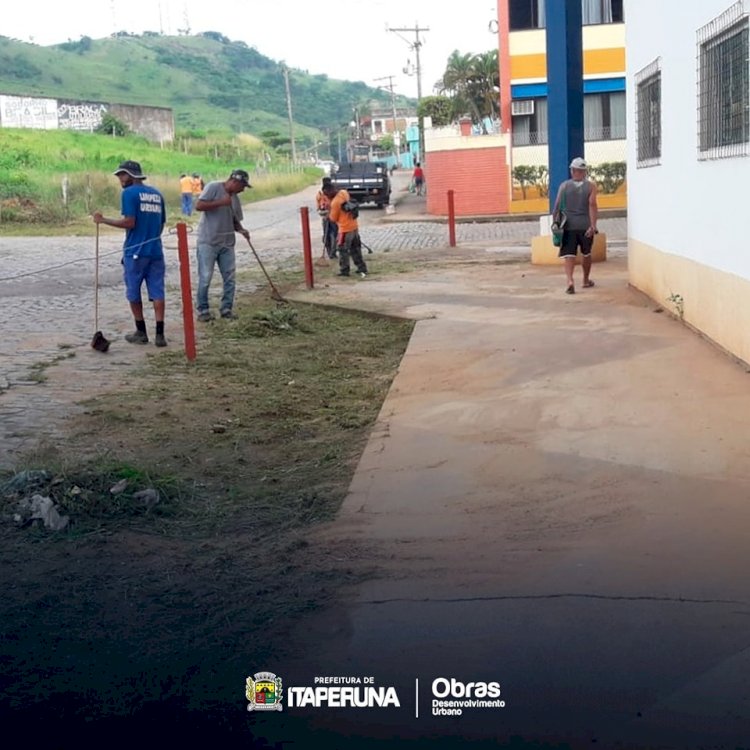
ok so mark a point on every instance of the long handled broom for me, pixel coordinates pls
(98, 342)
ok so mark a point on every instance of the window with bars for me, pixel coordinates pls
(724, 85)
(648, 114)
(604, 116)
(531, 129)
(603, 120)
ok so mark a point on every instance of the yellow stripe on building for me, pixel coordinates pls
(595, 61)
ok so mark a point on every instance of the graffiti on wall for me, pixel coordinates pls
(28, 112)
(154, 123)
(73, 115)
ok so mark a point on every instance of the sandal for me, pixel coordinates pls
(588, 283)
(570, 290)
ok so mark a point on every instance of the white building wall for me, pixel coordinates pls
(694, 209)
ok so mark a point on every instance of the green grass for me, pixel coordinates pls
(35, 165)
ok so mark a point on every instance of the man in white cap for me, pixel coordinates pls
(576, 198)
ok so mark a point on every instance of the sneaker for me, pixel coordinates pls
(228, 315)
(137, 337)
(159, 340)
(362, 275)
(205, 316)
(343, 273)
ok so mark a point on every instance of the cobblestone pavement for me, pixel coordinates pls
(47, 366)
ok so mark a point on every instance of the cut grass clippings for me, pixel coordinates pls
(249, 448)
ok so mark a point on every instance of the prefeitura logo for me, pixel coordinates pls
(264, 691)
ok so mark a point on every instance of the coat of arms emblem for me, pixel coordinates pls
(264, 691)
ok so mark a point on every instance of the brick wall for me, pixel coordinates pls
(479, 178)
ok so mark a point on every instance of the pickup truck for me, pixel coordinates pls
(365, 181)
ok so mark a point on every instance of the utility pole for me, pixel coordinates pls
(396, 136)
(285, 71)
(416, 45)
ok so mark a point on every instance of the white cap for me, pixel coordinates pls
(578, 163)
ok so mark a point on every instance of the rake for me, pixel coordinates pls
(275, 293)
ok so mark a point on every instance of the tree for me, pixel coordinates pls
(386, 142)
(472, 83)
(485, 84)
(110, 125)
(439, 108)
(274, 139)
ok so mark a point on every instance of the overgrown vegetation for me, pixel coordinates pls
(56, 178)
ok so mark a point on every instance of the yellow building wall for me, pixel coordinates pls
(603, 56)
(595, 62)
(536, 205)
(714, 302)
(603, 52)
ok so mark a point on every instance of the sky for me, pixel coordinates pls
(344, 40)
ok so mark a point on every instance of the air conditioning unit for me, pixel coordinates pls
(522, 107)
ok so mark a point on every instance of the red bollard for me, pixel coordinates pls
(451, 220)
(307, 247)
(188, 323)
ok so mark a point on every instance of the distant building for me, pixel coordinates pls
(382, 123)
(523, 90)
(506, 170)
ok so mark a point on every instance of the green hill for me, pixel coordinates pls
(211, 83)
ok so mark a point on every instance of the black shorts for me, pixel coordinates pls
(572, 240)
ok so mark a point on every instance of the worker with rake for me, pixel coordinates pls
(221, 217)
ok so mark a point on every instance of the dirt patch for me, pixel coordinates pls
(151, 610)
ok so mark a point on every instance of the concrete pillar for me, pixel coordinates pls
(564, 88)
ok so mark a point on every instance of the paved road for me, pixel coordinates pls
(47, 295)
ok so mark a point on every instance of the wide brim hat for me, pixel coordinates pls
(133, 168)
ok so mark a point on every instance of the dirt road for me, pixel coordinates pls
(555, 499)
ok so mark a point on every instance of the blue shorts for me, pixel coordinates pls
(138, 270)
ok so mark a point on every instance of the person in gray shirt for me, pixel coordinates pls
(221, 217)
(577, 200)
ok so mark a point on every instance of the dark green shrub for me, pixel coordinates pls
(609, 175)
(110, 125)
(525, 175)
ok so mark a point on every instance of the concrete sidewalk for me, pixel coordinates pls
(556, 497)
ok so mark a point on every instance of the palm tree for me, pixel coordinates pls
(473, 84)
(486, 84)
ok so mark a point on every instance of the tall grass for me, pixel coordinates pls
(59, 177)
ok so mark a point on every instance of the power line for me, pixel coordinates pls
(393, 113)
(416, 45)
